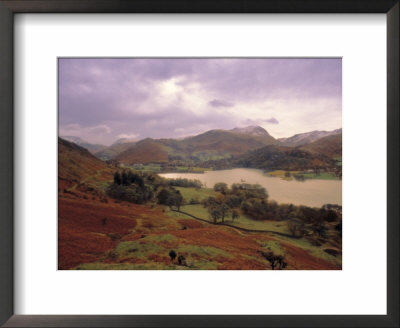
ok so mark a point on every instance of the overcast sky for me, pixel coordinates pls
(101, 100)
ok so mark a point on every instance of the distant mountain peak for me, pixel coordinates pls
(253, 130)
(124, 140)
(308, 137)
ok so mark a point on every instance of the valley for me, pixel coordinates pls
(221, 200)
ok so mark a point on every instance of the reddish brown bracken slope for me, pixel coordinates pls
(75, 163)
(144, 151)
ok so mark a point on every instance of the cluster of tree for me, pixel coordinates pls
(276, 261)
(304, 213)
(229, 201)
(132, 193)
(333, 207)
(184, 165)
(133, 187)
(218, 209)
(127, 178)
(218, 164)
(252, 200)
(140, 187)
(181, 182)
(247, 190)
(170, 197)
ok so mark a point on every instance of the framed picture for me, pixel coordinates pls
(163, 165)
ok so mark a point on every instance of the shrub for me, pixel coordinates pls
(180, 182)
(172, 254)
(221, 187)
(181, 260)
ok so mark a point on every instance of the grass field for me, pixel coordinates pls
(196, 194)
(193, 169)
(241, 222)
(308, 175)
(280, 174)
(157, 168)
(321, 176)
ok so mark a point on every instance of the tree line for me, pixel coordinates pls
(252, 200)
(140, 187)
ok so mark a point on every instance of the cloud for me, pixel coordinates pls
(102, 128)
(259, 121)
(220, 103)
(101, 99)
(94, 134)
(129, 136)
(70, 130)
(272, 120)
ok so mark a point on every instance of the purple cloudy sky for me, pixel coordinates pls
(101, 100)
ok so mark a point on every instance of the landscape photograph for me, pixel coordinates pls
(199, 164)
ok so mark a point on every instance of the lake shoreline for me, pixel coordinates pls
(273, 173)
(311, 192)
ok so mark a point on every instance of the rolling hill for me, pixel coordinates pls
(144, 151)
(234, 141)
(330, 146)
(282, 158)
(114, 150)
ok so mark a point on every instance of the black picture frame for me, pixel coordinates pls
(10, 7)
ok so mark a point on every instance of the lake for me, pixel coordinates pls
(311, 192)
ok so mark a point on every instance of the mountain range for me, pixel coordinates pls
(212, 145)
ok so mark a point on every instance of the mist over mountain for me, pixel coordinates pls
(92, 148)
